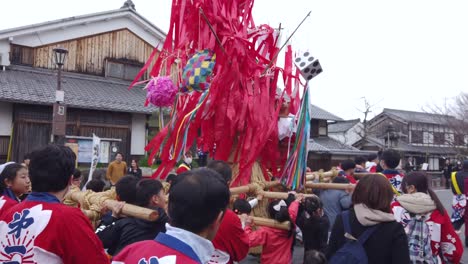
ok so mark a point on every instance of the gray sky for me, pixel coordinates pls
(403, 54)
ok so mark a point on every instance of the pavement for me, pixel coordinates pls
(445, 197)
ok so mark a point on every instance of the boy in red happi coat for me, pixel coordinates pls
(43, 230)
(197, 204)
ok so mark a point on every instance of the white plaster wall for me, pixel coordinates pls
(4, 52)
(138, 141)
(6, 118)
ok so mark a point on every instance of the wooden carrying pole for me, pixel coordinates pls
(336, 186)
(364, 174)
(105, 199)
(279, 195)
(260, 221)
(253, 187)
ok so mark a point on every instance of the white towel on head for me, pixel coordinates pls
(2, 167)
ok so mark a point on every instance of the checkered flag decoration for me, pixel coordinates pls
(308, 66)
(197, 73)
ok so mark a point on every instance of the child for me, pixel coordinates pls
(15, 181)
(314, 225)
(242, 206)
(43, 229)
(389, 161)
(348, 167)
(276, 243)
(127, 230)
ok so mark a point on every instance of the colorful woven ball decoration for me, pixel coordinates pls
(197, 73)
(161, 91)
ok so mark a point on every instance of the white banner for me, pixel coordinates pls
(96, 151)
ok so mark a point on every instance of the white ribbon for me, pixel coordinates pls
(279, 205)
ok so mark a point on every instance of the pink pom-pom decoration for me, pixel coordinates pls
(161, 91)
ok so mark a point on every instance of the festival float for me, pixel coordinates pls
(218, 73)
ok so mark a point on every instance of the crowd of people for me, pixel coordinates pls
(386, 218)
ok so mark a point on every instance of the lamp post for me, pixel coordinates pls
(59, 118)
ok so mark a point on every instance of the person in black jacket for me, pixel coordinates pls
(134, 169)
(371, 206)
(314, 225)
(124, 231)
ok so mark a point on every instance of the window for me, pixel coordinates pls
(322, 128)
(439, 138)
(459, 140)
(122, 70)
(433, 164)
(449, 139)
(428, 138)
(416, 136)
(21, 55)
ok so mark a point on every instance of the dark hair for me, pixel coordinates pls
(360, 160)
(95, 185)
(348, 164)
(241, 206)
(196, 199)
(314, 257)
(136, 162)
(118, 153)
(51, 168)
(312, 204)
(420, 181)
(375, 192)
(391, 158)
(145, 190)
(222, 168)
(340, 179)
(125, 188)
(9, 173)
(465, 165)
(171, 177)
(27, 156)
(371, 157)
(281, 215)
(76, 174)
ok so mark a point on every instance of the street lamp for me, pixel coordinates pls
(59, 118)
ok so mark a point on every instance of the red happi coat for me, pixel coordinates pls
(444, 240)
(42, 230)
(276, 243)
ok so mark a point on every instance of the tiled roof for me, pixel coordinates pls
(418, 117)
(333, 146)
(37, 86)
(319, 113)
(342, 126)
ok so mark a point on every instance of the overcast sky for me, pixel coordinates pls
(403, 54)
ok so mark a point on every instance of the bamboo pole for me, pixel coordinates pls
(260, 221)
(336, 186)
(364, 174)
(105, 199)
(322, 175)
(253, 187)
(279, 195)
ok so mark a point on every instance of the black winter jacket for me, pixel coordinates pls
(387, 245)
(119, 233)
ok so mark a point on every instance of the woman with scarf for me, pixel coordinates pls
(387, 242)
(431, 236)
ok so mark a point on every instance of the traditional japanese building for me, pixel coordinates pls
(420, 137)
(106, 50)
(324, 150)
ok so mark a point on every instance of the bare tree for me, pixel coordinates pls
(365, 130)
